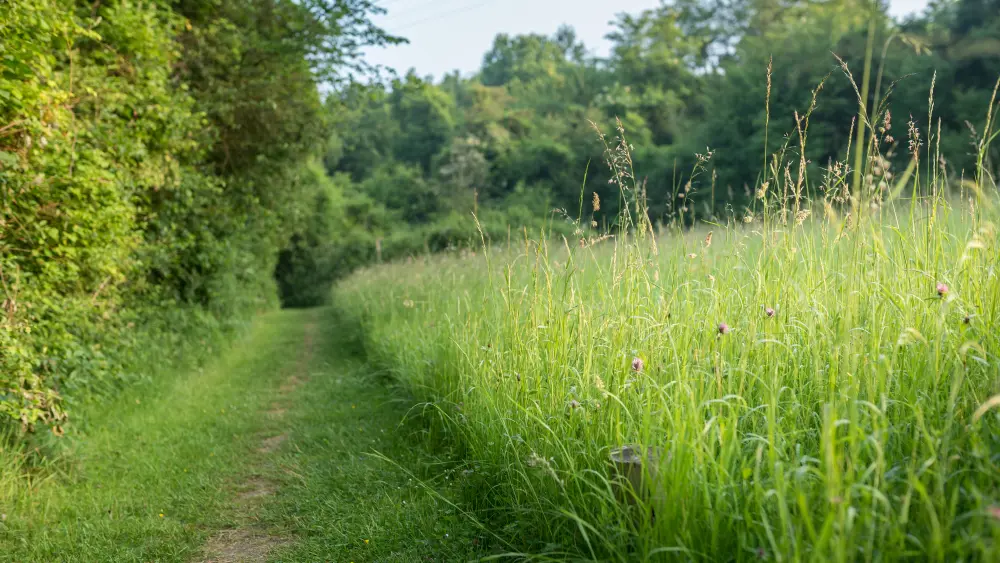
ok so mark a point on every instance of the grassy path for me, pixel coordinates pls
(267, 454)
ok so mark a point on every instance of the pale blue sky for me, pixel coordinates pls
(448, 35)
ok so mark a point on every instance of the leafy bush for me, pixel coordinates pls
(151, 167)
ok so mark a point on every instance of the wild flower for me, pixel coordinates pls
(769, 311)
(723, 328)
(942, 289)
(637, 364)
(538, 462)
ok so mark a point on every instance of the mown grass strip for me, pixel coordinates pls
(358, 482)
(151, 477)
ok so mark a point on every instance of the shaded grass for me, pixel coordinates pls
(358, 482)
(148, 476)
(154, 474)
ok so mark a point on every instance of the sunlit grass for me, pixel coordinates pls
(810, 378)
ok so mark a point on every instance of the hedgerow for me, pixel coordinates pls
(151, 160)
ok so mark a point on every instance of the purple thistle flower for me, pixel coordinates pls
(769, 312)
(942, 289)
(636, 364)
(723, 328)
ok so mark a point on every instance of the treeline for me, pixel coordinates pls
(704, 90)
(155, 157)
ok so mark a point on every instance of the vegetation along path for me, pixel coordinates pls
(285, 449)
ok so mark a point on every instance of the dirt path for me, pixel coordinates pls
(249, 541)
(287, 447)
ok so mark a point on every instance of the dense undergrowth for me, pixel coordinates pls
(153, 162)
(815, 378)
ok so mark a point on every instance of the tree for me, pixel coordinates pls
(425, 115)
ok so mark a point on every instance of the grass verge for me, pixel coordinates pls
(146, 478)
(283, 449)
(357, 482)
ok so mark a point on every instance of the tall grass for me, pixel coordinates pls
(809, 380)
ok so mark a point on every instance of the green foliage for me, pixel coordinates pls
(404, 191)
(327, 243)
(151, 162)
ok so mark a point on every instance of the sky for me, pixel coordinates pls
(447, 35)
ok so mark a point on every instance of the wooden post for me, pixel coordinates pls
(635, 474)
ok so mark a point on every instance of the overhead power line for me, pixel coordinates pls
(440, 15)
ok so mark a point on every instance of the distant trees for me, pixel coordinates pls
(683, 76)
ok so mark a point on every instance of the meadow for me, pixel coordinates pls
(813, 378)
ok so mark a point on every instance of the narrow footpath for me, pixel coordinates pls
(285, 449)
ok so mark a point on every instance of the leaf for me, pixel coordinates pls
(9, 160)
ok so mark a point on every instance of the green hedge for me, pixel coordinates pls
(152, 165)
